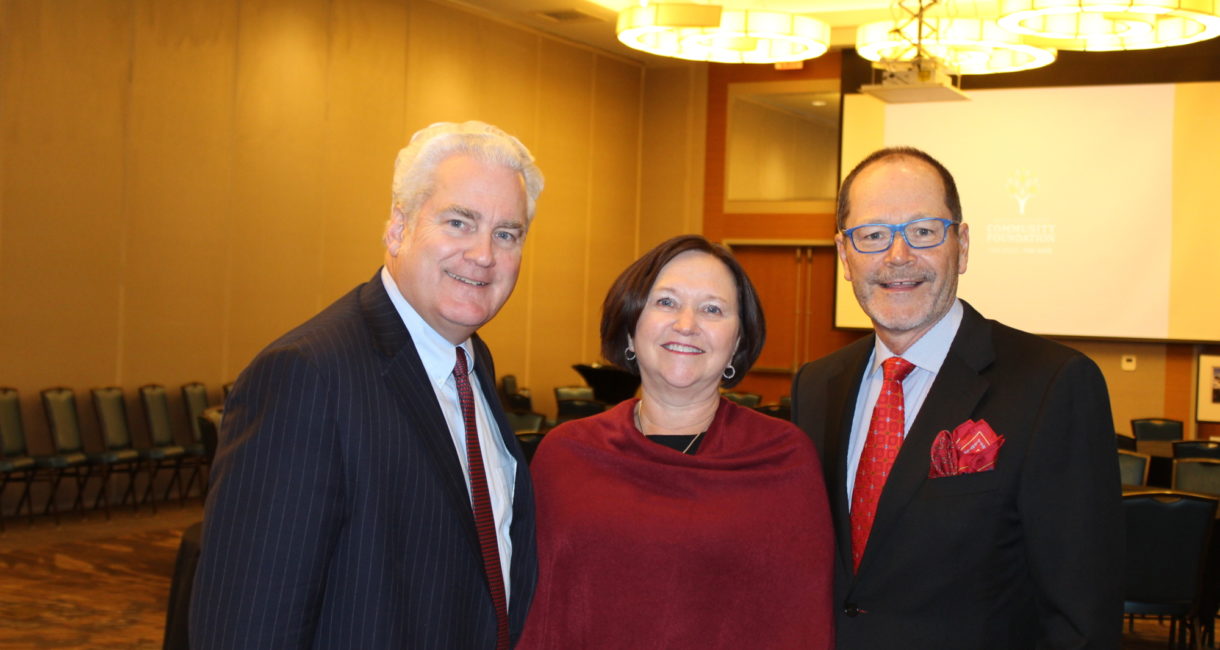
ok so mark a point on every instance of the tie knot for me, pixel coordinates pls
(460, 368)
(896, 368)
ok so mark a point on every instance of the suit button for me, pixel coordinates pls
(851, 610)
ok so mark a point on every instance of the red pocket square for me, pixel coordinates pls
(972, 447)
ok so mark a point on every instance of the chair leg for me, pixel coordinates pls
(27, 498)
(176, 478)
(50, 505)
(103, 491)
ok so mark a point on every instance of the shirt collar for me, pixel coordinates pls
(435, 352)
(929, 352)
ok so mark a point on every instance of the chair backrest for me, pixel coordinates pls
(508, 383)
(745, 399)
(225, 389)
(209, 426)
(1125, 441)
(60, 406)
(571, 409)
(12, 430)
(610, 384)
(1156, 429)
(1133, 467)
(780, 411)
(111, 411)
(156, 412)
(573, 392)
(785, 400)
(1196, 449)
(525, 422)
(195, 397)
(1200, 475)
(1167, 540)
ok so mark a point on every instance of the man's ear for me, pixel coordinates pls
(841, 248)
(963, 247)
(395, 231)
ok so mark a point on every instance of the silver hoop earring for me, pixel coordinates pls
(729, 372)
(630, 354)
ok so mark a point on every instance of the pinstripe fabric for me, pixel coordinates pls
(338, 516)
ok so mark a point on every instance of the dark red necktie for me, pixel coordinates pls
(484, 520)
(880, 449)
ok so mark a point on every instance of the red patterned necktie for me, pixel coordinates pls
(880, 448)
(484, 521)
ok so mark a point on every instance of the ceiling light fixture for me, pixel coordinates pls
(699, 32)
(1102, 25)
(964, 45)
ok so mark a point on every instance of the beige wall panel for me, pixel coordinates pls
(508, 98)
(443, 58)
(1138, 393)
(276, 219)
(1193, 309)
(366, 76)
(671, 168)
(64, 68)
(177, 182)
(557, 246)
(615, 196)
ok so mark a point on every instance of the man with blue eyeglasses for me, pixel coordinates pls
(970, 466)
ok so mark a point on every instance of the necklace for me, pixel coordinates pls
(639, 427)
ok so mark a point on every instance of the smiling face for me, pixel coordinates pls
(905, 291)
(689, 327)
(457, 261)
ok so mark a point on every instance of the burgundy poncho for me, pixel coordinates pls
(640, 546)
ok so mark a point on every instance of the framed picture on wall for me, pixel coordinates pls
(1208, 407)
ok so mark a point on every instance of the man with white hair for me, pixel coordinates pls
(368, 491)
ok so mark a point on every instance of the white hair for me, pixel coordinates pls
(417, 162)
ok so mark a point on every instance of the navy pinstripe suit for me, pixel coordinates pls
(339, 515)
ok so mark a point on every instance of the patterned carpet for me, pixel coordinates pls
(89, 583)
(97, 584)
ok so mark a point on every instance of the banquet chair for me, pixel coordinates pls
(1133, 467)
(164, 453)
(1168, 535)
(209, 428)
(15, 462)
(525, 422)
(1156, 429)
(195, 457)
(610, 384)
(69, 459)
(573, 392)
(514, 397)
(750, 400)
(1201, 475)
(780, 411)
(575, 408)
(529, 444)
(1196, 449)
(119, 455)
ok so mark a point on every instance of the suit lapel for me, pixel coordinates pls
(952, 399)
(842, 392)
(406, 379)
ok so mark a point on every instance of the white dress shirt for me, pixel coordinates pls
(928, 353)
(438, 357)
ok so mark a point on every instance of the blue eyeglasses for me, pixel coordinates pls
(928, 232)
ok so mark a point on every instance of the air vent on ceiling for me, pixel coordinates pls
(567, 16)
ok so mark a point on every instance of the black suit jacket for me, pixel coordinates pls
(1028, 555)
(338, 516)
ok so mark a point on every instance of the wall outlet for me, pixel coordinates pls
(1128, 362)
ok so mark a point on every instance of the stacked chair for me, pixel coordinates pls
(119, 455)
(164, 452)
(1168, 536)
(69, 459)
(15, 462)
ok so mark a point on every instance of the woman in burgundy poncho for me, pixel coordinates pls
(681, 520)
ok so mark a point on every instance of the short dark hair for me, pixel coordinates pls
(953, 201)
(628, 295)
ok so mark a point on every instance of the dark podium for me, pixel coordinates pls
(610, 384)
